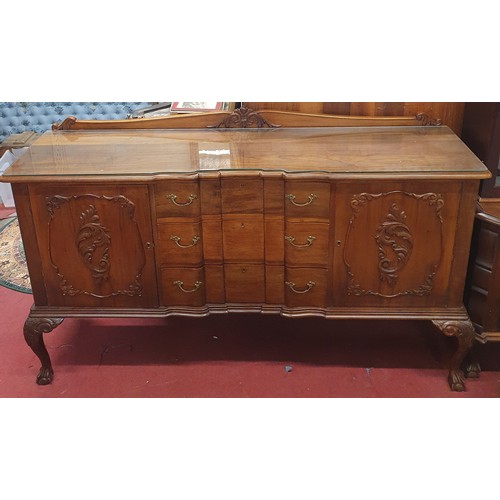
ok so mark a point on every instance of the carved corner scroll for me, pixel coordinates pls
(244, 118)
(92, 240)
(427, 120)
(66, 124)
(395, 241)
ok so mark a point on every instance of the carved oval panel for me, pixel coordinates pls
(394, 243)
(95, 245)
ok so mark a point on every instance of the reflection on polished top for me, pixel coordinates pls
(374, 151)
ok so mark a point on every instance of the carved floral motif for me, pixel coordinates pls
(93, 240)
(393, 237)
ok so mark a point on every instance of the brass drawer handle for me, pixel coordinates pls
(180, 284)
(291, 199)
(308, 243)
(291, 285)
(176, 239)
(173, 198)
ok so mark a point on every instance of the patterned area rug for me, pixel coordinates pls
(13, 270)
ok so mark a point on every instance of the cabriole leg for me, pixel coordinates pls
(34, 328)
(464, 332)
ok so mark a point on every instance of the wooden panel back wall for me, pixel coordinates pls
(450, 113)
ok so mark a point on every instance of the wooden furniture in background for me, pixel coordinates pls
(338, 222)
(481, 132)
(483, 283)
(445, 113)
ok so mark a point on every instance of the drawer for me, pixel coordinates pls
(210, 196)
(177, 199)
(306, 243)
(242, 196)
(274, 235)
(182, 286)
(214, 278)
(477, 306)
(212, 239)
(244, 283)
(487, 242)
(275, 285)
(243, 238)
(481, 277)
(307, 199)
(179, 244)
(305, 287)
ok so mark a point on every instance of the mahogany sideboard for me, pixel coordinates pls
(338, 222)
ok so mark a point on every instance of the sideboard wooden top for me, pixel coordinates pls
(338, 151)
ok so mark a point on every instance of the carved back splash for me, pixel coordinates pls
(246, 117)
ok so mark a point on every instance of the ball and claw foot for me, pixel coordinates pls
(464, 332)
(34, 328)
(456, 380)
(472, 370)
(45, 376)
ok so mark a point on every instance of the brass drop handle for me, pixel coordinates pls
(177, 239)
(173, 198)
(180, 284)
(291, 285)
(308, 243)
(291, 199)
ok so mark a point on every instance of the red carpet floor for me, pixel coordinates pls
(239, 356)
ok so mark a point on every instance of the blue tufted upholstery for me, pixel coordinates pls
(17, 117)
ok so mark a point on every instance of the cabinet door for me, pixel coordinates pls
(96, 245)
(394, 243)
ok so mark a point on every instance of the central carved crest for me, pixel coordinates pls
(92, 240)
(244, 118)
(395, 244)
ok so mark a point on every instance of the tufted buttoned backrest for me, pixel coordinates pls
(17, 117)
